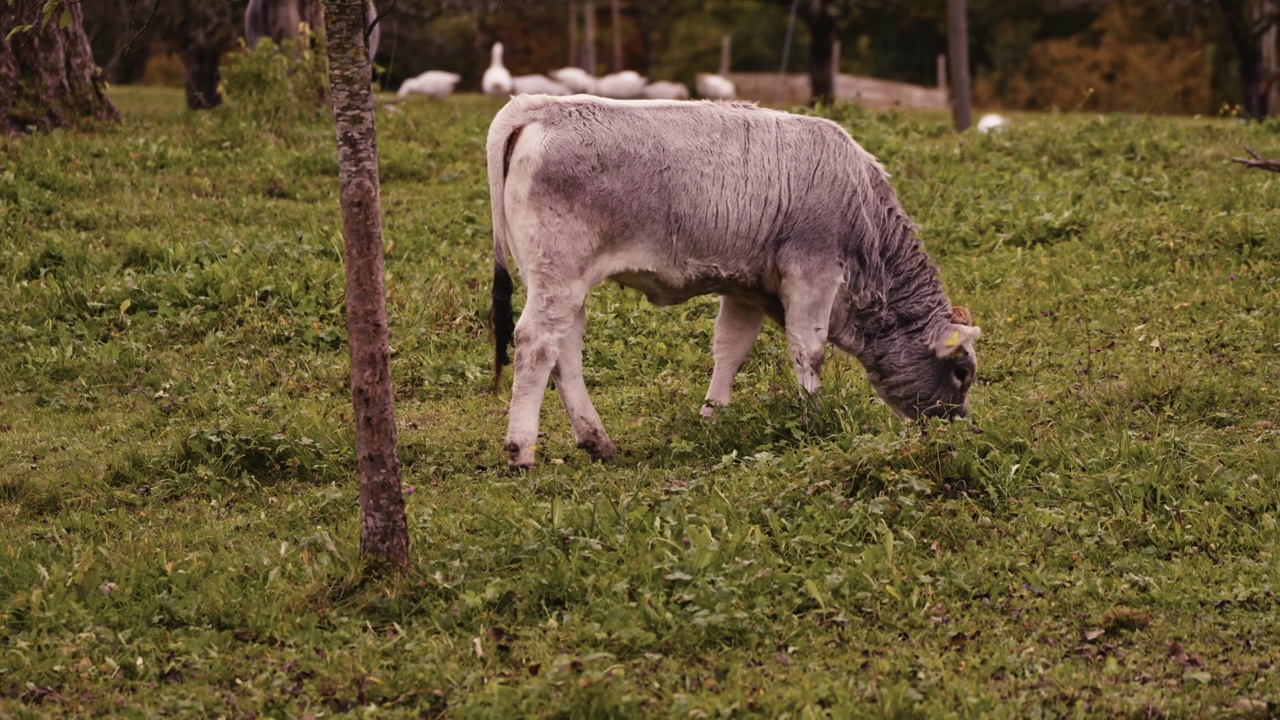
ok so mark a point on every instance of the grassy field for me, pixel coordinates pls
(178, 517)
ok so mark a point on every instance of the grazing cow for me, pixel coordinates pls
(783, 216)
(280, 20)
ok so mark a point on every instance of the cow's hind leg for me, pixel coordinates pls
(573, 393)
(737, 327)
(546, 321)
(807, 299)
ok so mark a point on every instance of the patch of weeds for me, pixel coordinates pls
(34, 498)
(279, 86)
(1123, 619)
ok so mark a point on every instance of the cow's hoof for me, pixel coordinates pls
(599, 449)
(709, 410)
(519, 458)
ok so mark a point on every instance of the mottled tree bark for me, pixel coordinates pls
(47, 75)
(383, 531)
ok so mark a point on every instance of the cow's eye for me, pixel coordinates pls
(961, 374)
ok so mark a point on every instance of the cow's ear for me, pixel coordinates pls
(955, 339)
(960, 315)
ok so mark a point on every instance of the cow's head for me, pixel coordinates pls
(927, 373)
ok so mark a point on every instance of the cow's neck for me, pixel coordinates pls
(896, 291)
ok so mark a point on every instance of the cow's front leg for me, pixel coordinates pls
(807, 299)
(539, 333)
(587, 427)
(737, 327)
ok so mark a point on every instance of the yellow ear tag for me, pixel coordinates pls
(952, 341)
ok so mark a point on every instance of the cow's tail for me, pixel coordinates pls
(503, 134)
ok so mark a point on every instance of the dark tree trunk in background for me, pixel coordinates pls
(1237, 17)
(958, 48)
(589, 53)
(204, 31)
(202, 79)
(615, 22)
(822, 36)
(383, 531)
(47, 75)
(1247, 51)
(573, 34)
(1268, 52)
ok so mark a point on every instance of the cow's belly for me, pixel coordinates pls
(661, 291)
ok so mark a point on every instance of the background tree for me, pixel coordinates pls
(383, 531)
(1248, 23)
(203, 32)
(47, 75)
(125, 34)
(821, 18)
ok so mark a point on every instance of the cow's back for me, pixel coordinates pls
(724, 183)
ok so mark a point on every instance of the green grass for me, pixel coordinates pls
(178, 514)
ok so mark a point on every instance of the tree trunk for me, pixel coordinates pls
(589, 53)
(1269, 50)
(822, 35)
(383, 531)
(205, 31)
(1247, 51)
(615, 21)
(573, 34)
(47, 75)
(202, 78)
(958, 47)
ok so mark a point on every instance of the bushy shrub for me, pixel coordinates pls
(279, 85)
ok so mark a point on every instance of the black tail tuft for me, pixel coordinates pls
(502, 320)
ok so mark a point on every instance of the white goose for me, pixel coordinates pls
(436, 84)
(625, 85)
(715, 87)
(497, 80)
(576, 79)
(992, 122)
(664, 90)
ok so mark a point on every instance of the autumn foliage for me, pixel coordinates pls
(1117, 65)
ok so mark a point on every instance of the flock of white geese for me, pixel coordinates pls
(625, 85)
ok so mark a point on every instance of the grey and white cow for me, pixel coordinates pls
(281, 19)
(783, 216)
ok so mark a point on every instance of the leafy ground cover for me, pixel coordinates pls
(178, 520)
